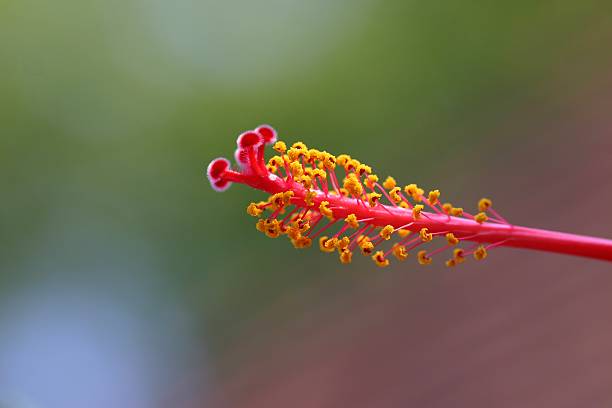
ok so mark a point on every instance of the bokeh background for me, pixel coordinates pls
(125, 281)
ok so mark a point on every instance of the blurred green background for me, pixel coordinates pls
(127, 281)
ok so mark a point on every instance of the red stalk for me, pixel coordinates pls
(463, 226)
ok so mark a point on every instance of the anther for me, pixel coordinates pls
(423, 258)
(484, 204)
(386, 232)
(480, 217)
(379, 259)
(389, 183)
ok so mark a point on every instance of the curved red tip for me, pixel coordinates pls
(267, 133)
(216, 168)
(221, 185)
(241, 156)
(249, 139)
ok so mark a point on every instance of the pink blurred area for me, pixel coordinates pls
(523, 329)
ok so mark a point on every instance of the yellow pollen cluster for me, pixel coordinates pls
(416, 211)
(480, 253)
(327, 244)
(457, 211)
(403, 233)
(484, 204)
(308, 173)
(389, 183)
(371, 180)
(279, 200)
(457, 258)
(346, 256)
(386, 232)
(280, 147)
(254, 210)
(425, 235)
(399, 251)
(351, 220)
(415, 192)
(451, 239)
(365, 244)
(309, 197)
(422, 258)
(373, 199)
(481, 217)
(433, 197)
(394, 193)
(352, 185)
(379, 259)
(325, 210)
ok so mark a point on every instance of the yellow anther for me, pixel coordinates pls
(342, 159)
(415, 192)
(447, 208)
(301, 242)
(296, 169)
(299, 146)
(389, 183)
(287, 197)
(395, 194)
(433, 197)
(343, 243)
(319, 173)
(353, 186)
(365, 245)
(403, 233)
(253, 210)
(371, 180)
(352, 165)
(480, 253)
(373, 199)
(276, 200)
(272, 228)
(294, 154)
(458, 255)
(280, 147)
(344, 192)
(346, 256)
(451, 263)
(404, 204)
(399, 251)
(480, 217)
(308, 198)
(416, 211)
(423, 258)
(325, 211)
(484, 204)
(260, 225)
(327, 244)
(275, 161)
(379, 259)
(363, 169)
(386, 232)
(305, 180)
(425, 235)
(329, 161)
(272, 169)
(351, 220)
(312, 155)
(451, 239)
(457, 211)
(293, 231)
